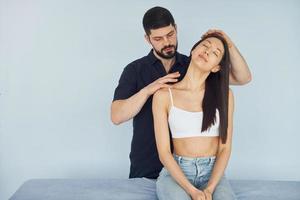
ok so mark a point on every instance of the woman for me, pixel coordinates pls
(199, 112)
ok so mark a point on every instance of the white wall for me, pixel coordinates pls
(60, 62)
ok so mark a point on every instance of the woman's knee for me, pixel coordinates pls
(224, 191)
(167, 188)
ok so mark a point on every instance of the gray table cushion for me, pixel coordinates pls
(141, 189)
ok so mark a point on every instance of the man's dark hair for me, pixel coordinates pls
(157, 17)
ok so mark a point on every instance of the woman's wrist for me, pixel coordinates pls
(191, 190)
(209, 189)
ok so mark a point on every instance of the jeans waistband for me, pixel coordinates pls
(208, 159)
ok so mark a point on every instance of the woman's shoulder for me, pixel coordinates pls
(161, 98)
(166, 92)
(230, 100)
(161, 93)
(230, 93)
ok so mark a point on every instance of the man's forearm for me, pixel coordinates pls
(239, 73)
(124, 110)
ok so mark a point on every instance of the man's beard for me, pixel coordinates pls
(168, 55)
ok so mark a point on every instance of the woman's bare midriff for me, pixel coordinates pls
(196, 146)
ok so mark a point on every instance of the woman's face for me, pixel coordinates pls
(208, 54)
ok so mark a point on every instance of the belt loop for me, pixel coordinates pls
(179, 159)
(211, 160)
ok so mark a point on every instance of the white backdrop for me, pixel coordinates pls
(60, 62)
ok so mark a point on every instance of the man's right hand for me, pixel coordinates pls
(161, 83)
(123, 110)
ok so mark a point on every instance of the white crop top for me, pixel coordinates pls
(185, 124)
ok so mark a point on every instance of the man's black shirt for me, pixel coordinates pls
(135, 76)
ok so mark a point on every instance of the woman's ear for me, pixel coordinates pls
(215, 69)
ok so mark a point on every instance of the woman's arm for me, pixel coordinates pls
(160, 116)
(224, 150)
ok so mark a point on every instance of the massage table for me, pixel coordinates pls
(142, 189)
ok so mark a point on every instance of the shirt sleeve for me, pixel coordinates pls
(127, 83)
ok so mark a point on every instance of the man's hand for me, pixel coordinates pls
(239, 71)
(161, 83)
(221, 33)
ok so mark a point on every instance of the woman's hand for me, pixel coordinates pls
(198, 195)
(208, 194)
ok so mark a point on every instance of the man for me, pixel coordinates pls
(143, 77)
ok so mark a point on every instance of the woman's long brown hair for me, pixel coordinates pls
(216, 92)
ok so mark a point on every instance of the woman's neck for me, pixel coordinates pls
(194, 79)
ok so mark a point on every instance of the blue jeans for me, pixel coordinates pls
(198, 172)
